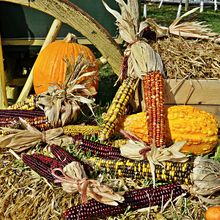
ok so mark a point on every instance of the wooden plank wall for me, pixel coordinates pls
(203, 94)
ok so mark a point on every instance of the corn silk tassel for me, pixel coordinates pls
(135, 199)
(139, 59)
(71, 175)
(62, 104)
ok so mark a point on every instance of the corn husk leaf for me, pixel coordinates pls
(20, 140)
(62, 103)
(185, 29)
(141, 57)
(74, 180)
(206, 176)
(126, 32)
(155, 156)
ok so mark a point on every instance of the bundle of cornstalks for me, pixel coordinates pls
(184, 58)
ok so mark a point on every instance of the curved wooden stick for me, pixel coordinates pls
(75, 17)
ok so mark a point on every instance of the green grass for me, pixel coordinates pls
(167, 13)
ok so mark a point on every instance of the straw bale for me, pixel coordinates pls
(195, 59)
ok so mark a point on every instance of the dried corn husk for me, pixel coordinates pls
(74, 180)
(206, 176)
(141, 57)
(20, 140)
(62, 103)
(155, 156)
(185, 29)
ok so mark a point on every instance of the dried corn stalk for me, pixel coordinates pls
(62, 103)
(194, 59)
(185, 29)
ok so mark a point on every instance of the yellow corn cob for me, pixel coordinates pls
(197, 127)
(117, 108)
(118, 143)
(170, 171)
(27, 104)
(74, 130)
(154, 102)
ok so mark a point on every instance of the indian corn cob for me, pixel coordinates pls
(27, 104)
(94, 137)
(44, 164)
(174, 172)
(74, 130)
(21, 113)
(117, 108)
(36, 118)
(183, 123)
(153, 84)
(135, 199)
(98, 149)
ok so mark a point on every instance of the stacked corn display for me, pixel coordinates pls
(117, 108)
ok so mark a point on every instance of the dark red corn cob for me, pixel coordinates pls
(66, 157)
(136, 199)
(21, 113)
(42, 165)
(62, 154)
(98, 149)
(36, 118)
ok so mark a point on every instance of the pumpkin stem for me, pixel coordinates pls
(70, 38)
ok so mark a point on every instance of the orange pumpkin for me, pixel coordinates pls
(213, 213)
(50, 67)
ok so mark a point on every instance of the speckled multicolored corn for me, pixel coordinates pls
(154, 102)
(173, 172)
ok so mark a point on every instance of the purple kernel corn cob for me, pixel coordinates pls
(21, 113)
(66, 157)
(100, 150)
(42, 165)
(136, 199)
